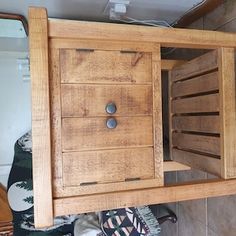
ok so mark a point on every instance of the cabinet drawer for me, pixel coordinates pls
(104, 67)
(91, 100)
(107, 166)
(92, 133)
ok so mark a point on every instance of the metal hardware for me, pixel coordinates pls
(84, 50)
(88, 183)
(111, 123)
(132, 179)
(127, 51)
(111, 108)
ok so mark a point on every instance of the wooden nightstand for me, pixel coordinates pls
(6, 227)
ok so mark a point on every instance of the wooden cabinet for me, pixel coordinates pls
(97, 115)
(97, 150)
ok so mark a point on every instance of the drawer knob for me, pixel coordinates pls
(111, 108)
(111, 123)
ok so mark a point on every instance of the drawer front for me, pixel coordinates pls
(92, 133)
(90, 100)
(107, 166)
(104, 67)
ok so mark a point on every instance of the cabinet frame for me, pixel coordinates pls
(42, 31)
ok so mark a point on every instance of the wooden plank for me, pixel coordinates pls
(171, 64)
(201, 84)
(106, 187)
(140, 197)
(58, 43)
(170, 113)
(107, 166)
(41, 145)
(228, 111)
(206, 103)
(169, 166)
(184, 38)
(55, 105)
(197, 66)
(157, 114)
(91, 100)
(104, 67)
(197, 161)
(94, 134)
(201, 143)
(206, 124)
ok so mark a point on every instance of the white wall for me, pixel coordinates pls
(15, 108)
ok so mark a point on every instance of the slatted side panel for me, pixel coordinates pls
(195, 113)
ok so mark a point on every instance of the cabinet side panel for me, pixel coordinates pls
(42, 181)
(227, 111)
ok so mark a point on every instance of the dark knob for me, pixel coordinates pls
(111, 108)
(111, 123)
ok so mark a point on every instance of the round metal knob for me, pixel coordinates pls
(111, 123)
(111, 108)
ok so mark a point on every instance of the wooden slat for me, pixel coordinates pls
(91, 133)
(206, 124)
(228, 111)
(171, 64)
(55, 100)
(106, 188)
(201, 143)
(174, 193)
(157, 114)
(107, 166)
(199, 65)
(170, 113)
(166, 37)
(104, 67)
(197, 161)
(41, 145)
(58, 43)
(91, 100)
(169, 166)
(201, 84)
(206, 103)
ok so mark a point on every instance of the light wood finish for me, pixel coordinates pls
(197, 66)
(205, 124)
(201, 143)
(55, 104)
(41, 146)
(197, 161)
(92, 133)
(169, 166)
(170, 114)
(174, 193)
(92, 189)
(228, 111)
(205, 103)
(167, 65)
(201, 84)
(115, 45)
(57, 43)
(91, 100)
(107, 166)
(166, 37)
(5, 213)
(157, 115)
(104, 67)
